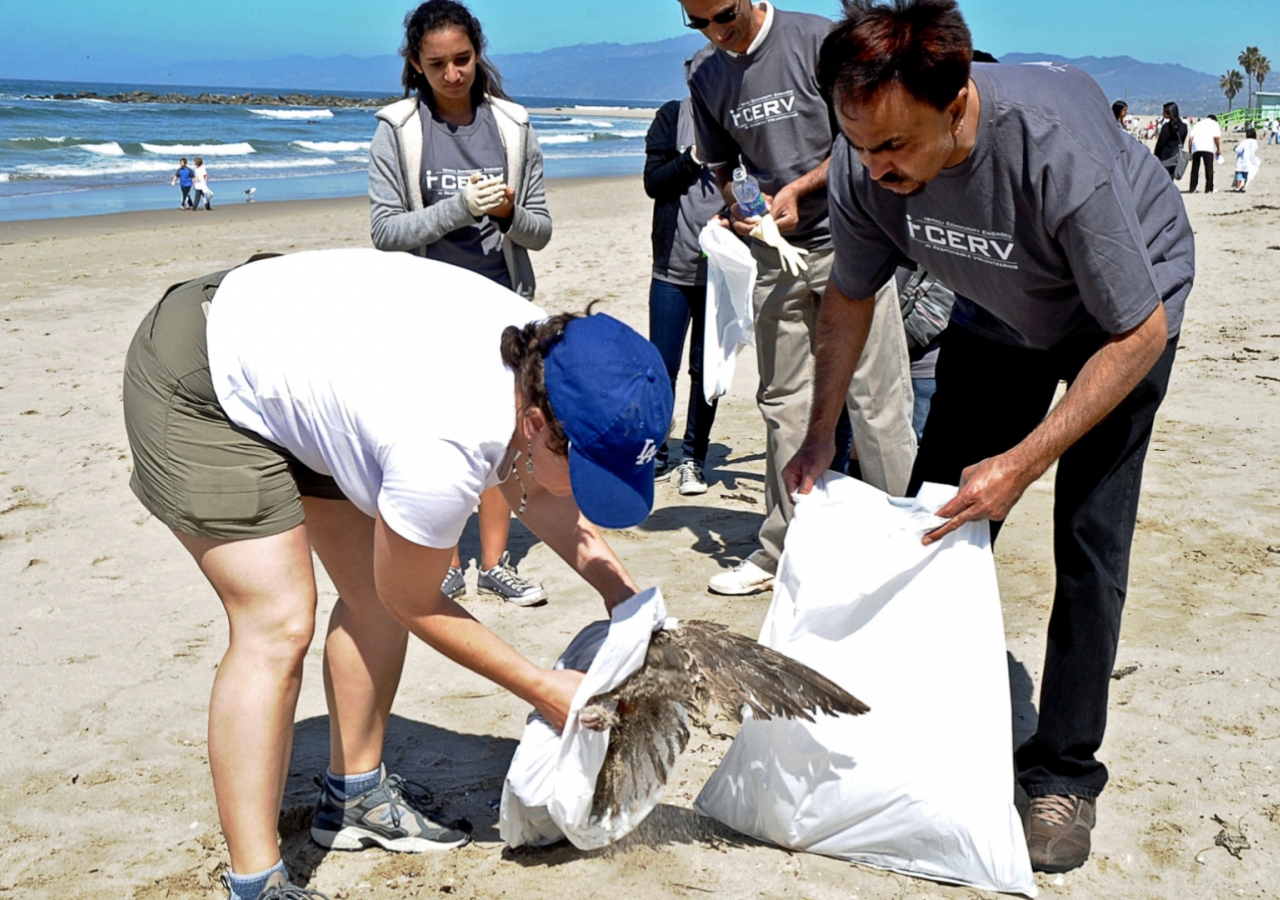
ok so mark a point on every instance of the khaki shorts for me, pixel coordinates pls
(193, 469)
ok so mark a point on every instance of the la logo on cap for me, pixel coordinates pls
(648, 453)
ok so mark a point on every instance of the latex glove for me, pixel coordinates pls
(792, 257)
(483, 194)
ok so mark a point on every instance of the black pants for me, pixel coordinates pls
(1202, 156)
(990, 396)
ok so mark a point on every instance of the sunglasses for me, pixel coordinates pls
(724, 17)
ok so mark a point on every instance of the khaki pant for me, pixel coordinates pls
(879, 400)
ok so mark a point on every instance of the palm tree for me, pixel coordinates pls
(1248, 59)
(1261, 69)
(1231, 84)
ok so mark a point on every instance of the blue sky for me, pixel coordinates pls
(76, 37)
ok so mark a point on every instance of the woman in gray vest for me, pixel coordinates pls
(455, 174)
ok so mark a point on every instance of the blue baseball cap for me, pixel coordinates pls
(609, 389)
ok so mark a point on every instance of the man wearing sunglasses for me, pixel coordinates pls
(756, 101)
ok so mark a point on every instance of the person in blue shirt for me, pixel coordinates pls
(183, 178)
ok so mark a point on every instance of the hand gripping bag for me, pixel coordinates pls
(730, 323)
(923, 783)
(548, 790)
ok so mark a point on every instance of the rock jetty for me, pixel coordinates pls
(325, 100)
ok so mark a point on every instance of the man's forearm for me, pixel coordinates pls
(1106, 379)
(812, 180)
(843, 326)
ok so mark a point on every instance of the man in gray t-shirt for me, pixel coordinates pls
(1071, 257)
(756, 103)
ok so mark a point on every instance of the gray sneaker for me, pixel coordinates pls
(279, 888)
(454, 585)
(503, 581)
(393, 815)
(689, 478)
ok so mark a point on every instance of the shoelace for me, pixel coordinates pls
(1054, 809)
(689, 473)
(416, 797)
(506, 573)
(291, 892)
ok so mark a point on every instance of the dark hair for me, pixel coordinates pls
(433, 16)
(1171, 112)
(924, 45)
(1251, 132)
(1119, 108)
(1212, 116)
(524, 350)
(983, 56)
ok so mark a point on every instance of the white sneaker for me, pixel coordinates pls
(744, 578)
(689, 478)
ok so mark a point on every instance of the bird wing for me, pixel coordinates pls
(698, 666)
(729, 670)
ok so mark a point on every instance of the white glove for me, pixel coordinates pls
(792, 257)
(483, 194)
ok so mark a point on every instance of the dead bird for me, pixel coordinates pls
(700, 668)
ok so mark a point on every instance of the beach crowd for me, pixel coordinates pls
(939, 242)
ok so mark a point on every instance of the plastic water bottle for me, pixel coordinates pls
(747, 191)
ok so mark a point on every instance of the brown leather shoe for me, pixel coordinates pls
(1058, 832)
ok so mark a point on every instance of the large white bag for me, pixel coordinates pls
(552, 780)
(730, 323)
(922, 784)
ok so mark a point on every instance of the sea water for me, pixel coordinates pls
(84, 157)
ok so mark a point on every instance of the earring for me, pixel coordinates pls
(528, 463)
(524, 494)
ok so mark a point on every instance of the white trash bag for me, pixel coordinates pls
(552, 780)
(923, 784)
(730, 323)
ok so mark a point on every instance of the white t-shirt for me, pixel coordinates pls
(1202, 136)
(1246, 155)
(380, 369)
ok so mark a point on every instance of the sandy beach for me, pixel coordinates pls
(109, 636)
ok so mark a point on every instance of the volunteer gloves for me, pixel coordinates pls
(792, 257)
(484, 194)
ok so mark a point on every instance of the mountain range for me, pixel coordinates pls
(637, 72)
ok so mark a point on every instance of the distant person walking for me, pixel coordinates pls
(1246, 160)
(184, 178)
(1205, 145)
(685, 196)
(201, 181)
(1273, 127)
(455, 174)
(1173, 134)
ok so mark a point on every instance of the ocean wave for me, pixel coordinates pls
(363, 160)
(111, 148)
(589, 123)
(293, 113)
(241, 149)
(553, 139)
(34, 143)
(615, 154)
(112, 168)
(332, 146)
(4, 176)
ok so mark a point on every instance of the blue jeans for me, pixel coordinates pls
(671, 309)
(923, 388)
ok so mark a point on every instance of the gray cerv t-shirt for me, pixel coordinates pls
(765, 107)
(700, 202)
(450, 156)
(1057, 225)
